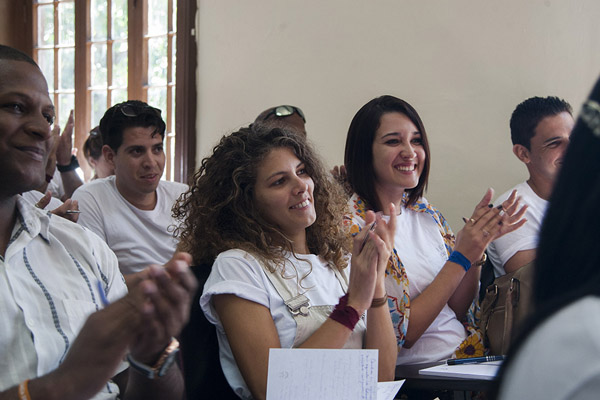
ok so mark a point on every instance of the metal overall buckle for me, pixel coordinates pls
(298, 305)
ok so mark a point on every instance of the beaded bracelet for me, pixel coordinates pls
(24, 390)
(458, 258)
(345, 314)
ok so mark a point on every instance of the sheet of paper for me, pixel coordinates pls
(322, 374)
(486, 370)
(388, 390)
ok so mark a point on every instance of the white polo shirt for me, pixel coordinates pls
(48, 287)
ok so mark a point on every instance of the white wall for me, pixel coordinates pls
(463, 64)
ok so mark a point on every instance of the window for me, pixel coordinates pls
(96, 53)
(55, 52)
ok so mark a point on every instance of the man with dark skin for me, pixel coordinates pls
(49, 267)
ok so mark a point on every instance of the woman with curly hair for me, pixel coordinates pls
(263, 208)
(431, 279)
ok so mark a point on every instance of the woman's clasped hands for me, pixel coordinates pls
(371, 251)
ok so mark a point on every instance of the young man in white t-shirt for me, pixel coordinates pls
(540, 130)
(131, 210)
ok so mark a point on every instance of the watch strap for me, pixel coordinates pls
(73, 165)
(160, 368)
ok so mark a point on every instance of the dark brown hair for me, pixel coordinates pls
(530, 113)
(219, 211)
(358, 157)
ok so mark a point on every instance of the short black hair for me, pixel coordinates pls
(9, 53)
(526, 117)
(130, 113)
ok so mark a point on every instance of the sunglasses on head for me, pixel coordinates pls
(132, 111)
(285, 111)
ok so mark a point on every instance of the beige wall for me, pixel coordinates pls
(463, 64)
(15, 24)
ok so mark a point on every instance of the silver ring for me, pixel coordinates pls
(485, 233)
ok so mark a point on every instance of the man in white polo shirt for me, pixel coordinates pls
(131, 210)
(540, 129)
(68, 322)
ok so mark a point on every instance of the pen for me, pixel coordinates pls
(474, 360)
(367, 235)
(103, 298)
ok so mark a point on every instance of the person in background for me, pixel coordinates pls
(68, 321)
(263, 208)
(92, 150)
(62, 175)
(557, 355)
(285, 117)
(131, 210)
(42, 196)
(540, 128)
(433, 276)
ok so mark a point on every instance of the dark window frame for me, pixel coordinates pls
(185, 92)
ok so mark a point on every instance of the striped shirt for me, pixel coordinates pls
(48, 287)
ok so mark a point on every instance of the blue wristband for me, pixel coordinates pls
(458, 258)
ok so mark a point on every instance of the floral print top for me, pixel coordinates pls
(399, 302)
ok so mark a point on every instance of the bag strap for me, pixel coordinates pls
(491, 292)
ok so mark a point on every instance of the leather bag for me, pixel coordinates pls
(506, 303)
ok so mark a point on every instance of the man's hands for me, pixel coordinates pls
(141, 323)
(169, 292)
(64, 144)
(69, 209)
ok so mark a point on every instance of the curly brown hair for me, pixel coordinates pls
(219, 212)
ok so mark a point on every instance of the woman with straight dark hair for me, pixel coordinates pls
(558, 354)
(263, 208)
(432, 278)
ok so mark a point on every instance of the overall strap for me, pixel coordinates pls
(297, 304)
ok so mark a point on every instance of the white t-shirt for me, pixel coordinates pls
(48, 288)
(239, 273)
(138, 237)
(56, 185)
(422, 251)
(559, 360)
(524, 238)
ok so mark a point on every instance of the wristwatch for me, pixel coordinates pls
(163, 364)
(73, 165)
